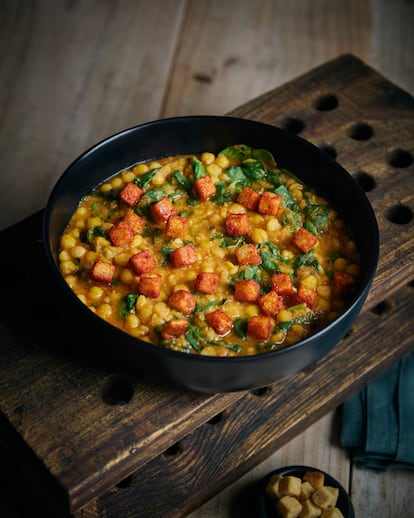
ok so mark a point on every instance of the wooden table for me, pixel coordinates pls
(74, 430)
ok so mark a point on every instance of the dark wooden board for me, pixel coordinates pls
(82, 426)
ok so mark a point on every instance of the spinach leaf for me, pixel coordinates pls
(240, 327)
(95, 232)
(222, 195)
(318, 216)
(185, 182)
(143, 180)
(127, 304)
(287, 199)
(193, 337)
(265, 157)
(254, 170)
(271, 257)
(198, 168)
(238, 152)
(308, 259)
(233, 241)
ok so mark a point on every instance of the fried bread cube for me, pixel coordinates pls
(131, 194)
(183, 256)
(121, 234)
(204, 188)
(304, 240)
(219, 321)
(150, 285)
(237, 224)
(102, 272)
(270, 303)
(248, 255)
(306, 491)
(282, 284)
(246, 290)
(207, 282)
(176, 226)
(260, 327)
(342, 283)
(288, 507)
(310, 510)
(306, 295)
(248, 198)
(316, 478)
(143, 262)
(325, 496)
(183, 301)
(174, 328)
(290, 485)
(272, 487)
(163, 209)
(135, 222)
(269, 203)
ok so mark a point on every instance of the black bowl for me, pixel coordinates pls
(195, 134)
(266, 507)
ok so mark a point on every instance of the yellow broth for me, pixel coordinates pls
(245, 261)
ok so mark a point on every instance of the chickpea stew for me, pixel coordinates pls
(215, 254)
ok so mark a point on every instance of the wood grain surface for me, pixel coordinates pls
(73, 72)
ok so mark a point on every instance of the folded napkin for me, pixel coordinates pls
(378, 422)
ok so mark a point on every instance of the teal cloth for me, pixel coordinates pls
(378, 422)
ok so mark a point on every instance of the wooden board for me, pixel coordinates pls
(88, 434)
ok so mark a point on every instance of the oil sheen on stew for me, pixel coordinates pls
(219, 255)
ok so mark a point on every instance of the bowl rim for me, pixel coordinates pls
(363, 287)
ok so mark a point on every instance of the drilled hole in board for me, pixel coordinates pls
(400, 158)
(411, 284)
(174, 450)
(329, 150)
(216, 419)
(360, 131)
(293, 125)
(260, 392)
(365, 180)
(399, 214)
(117, 390)
(326, 102)
(382, 308)
(125, 483)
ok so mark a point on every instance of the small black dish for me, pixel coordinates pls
(266, 506)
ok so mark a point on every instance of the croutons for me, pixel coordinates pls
(325, 496)
(183, 256)
(272, 487)
(204, 188)
(269, 203)
(306, 295)
(150, 285)
(183, 301)
(315, 478)
(131, 194)
(246, 290)
(143, 262)
(304, 240)
(163, 209)
(237, 224)
(310, 510)
(135, 222)
(102, 272)
(290, 485)
(282, 284)
(270, 303)
(174, 328)
(219, 321)
(176, 226)
(207, 282)
(260, 327)
(342, 283)
(332, 512)
(248, 198)
(121, 234)
(288, 507)
(248, 255)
